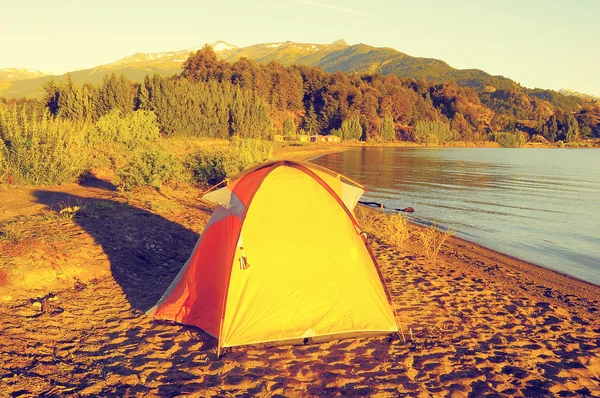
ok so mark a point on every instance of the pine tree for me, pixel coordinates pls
(310, 121)
(352, 129)
(143, 97)
(572, 134)
(51, 96)
(289, 128)
(387, 132)
(551, 133)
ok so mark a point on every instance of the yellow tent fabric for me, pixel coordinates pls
(282, 259)
(307, 271)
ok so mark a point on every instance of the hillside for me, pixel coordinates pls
(9, 75)
(337, 56)
(134, 67)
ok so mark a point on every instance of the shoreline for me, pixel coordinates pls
(457, 241)
(558, 279)
(480, 259)
(474, 322)
(452, 144)
(495, 253)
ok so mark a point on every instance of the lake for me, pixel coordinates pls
(539, 205)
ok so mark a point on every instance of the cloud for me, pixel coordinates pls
(333, 7)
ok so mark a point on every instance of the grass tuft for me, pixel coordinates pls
(432, 238)
(392, 228)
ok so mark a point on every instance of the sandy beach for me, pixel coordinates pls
(73, 290)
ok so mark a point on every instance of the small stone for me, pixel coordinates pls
(36, 306)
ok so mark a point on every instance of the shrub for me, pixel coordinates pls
(433, 132)
(391, 228)
(150, 167)
(40, 150)
(132, 130)
(432, 238)
(209, 167)
(511, 140)
(249, 152)
(289, 128)
(114, 139)
(3, 162)
(351, 129)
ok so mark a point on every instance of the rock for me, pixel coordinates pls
(408, 210)
(36, 306)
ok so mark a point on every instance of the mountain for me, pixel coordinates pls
(9, 75)
(565, 91)
(168, 60)
(287, 53)
(12, 74)
(361, 58)
(134, 67)
(337, 56)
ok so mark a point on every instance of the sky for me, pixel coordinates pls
(538, 43)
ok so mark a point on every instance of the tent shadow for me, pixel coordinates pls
(145, 250)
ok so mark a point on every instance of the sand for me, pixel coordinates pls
(475, 323)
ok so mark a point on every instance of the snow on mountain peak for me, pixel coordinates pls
(217, 46)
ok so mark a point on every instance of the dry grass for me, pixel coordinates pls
(23, 234)
(392, 228)
(432, 238)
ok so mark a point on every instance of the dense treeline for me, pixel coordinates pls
(128, 126)
(215, 99)
(212, 98)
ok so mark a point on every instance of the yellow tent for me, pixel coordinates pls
(282, 259)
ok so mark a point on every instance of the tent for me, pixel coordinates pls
(282, 259)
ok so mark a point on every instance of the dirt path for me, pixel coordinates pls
(476, 323)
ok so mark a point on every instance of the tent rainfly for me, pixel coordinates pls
(282, 259)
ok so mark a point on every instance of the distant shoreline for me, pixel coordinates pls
(297, 152)
(549, 276)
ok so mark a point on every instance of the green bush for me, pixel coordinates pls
(248, 152)
(351, 129)
(511, 140)
(153, 167)
(40, 150)
(433, 132)
(289, 128)
(3, 162)
(209, 167)
(133, 130)
(113, 139)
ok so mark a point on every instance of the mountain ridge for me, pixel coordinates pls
(337, 56)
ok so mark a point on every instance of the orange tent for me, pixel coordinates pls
(281, 259)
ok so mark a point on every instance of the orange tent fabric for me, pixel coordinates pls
(281, 259)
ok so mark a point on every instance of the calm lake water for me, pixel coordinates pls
(539, 205)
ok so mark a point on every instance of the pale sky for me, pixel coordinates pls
(538, 43)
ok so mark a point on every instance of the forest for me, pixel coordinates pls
(120, 122)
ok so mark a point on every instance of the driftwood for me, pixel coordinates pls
(381, 206)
